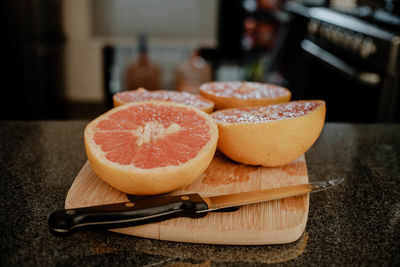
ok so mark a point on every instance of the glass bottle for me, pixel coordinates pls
(142, 72)
(192, 73)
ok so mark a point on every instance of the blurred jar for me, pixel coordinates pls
(249, 35)
(270, 4)
(192, 73)
(267, 32)
(142, 72)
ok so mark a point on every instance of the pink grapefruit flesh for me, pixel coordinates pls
(151, 147)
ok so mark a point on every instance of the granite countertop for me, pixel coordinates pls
(356, 223)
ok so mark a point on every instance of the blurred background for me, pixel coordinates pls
(65, 59)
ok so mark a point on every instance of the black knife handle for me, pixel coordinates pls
(154, 209)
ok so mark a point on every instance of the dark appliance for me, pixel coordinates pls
(351, 63)
(250, 35)
(32, 58)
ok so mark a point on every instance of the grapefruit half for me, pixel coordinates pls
(153, 147)
(270, 136)
(142, 94)
(241, 94)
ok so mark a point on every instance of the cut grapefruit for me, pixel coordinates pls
(151, 147)
(142, 94)
(270, 136)
(241, 94)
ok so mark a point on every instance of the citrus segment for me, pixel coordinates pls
(240, 94)
(142, 94)
(151, 147)
(270, 136)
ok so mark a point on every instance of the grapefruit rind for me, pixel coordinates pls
(141, 94)
(271, 143)
(225, 99)
(139, 181)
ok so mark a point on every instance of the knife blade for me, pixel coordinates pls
(154, 209)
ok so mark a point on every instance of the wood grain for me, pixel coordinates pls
(273, 222)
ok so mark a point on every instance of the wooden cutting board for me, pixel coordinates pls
(273, 222)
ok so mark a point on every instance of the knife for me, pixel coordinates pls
(155, 209)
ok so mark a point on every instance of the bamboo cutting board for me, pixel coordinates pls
(273, 222)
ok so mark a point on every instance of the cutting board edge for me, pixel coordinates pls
(160, 232)
(286, 236)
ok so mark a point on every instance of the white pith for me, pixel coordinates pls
(153, 130)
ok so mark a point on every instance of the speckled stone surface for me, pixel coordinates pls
(356, 223)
